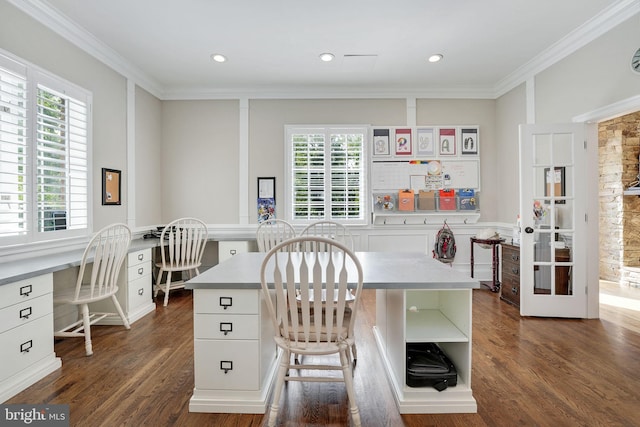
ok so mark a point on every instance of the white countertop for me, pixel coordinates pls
(381, 270)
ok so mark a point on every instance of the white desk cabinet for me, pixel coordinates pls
(441, 316)
(26, 334)
(229, 248)
(135, 289)
(234, 351)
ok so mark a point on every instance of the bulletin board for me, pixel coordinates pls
(425, 158)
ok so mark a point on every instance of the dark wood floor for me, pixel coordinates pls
(526, 372)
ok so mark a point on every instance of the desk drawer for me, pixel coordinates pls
(139, 257)
(227, 301)
(25, 311)
(240, 357)
(24, 290)
(236, 326)
(139, 293)
(25, 345)
(137, 271)
(510, 290)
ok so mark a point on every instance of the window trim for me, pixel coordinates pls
(35, 77)
(288, 181)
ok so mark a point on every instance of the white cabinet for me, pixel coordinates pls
(134, 289)
(417, 316)
(229, 248)
(26, 334)
(234, 351)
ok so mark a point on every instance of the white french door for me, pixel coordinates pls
(553, 215)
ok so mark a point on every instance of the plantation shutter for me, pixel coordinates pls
(13, 149)
(62, 169)
(327, 174)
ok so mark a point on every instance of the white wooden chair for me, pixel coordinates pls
(102, 260)
(338, 232)
(330, 229)
(305, 265)
(182, 246)
(272, 232)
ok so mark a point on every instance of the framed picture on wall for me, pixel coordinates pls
(111, 186)
(447, 142)
(403, 142)
(425, 145)
(381, 142)
(266, 198)
(469, 141)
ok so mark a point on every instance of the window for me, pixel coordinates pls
(44, 155)
(326, 174)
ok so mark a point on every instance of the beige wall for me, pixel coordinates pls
(200, 160)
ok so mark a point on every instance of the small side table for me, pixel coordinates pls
(494, 285)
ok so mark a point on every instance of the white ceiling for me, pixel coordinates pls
(272, 46)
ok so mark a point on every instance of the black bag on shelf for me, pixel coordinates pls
(428, 366)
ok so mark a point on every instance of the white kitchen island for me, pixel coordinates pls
(418, 299)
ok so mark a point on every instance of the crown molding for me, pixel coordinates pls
(617, 109)
(48, 16)
(611, 17)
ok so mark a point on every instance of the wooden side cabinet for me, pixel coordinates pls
(510, 289)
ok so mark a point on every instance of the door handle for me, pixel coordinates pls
(528, 230)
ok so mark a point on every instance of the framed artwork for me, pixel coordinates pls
(381, 142)
(111, 186)
(266, 198)
(556, 179)
(469, 141)
(403, 142)
(447, 142)
(426, 146)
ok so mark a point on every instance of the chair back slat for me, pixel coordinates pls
(104, 255)
(330, 229)
(184, 242)
(272, 232)
(298, 271)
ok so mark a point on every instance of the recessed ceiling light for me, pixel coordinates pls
(326, 57)
(218, 58)
(435, 58)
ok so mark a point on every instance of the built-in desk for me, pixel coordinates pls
(418, 299)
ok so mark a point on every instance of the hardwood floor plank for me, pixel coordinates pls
(526, 371)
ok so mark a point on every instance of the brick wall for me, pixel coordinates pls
(618, 149)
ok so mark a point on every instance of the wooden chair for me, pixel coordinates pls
(305, 265)
(102, 260)
(272, 232)
(182, 246)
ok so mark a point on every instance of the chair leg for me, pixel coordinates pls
(86, 322)
(347, 373)
(166, 289)
(120, 312)
(157, 283)
(283, 369)
(354, 352)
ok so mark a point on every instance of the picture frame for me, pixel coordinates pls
(426, 143)
(469, 141)
(447, 142)
(403, 142)
(266, 203)
(557, 179)
(111, 186)
(381, 142)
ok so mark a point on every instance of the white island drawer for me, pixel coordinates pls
(226, 365)
(236, 326)
(227, 301)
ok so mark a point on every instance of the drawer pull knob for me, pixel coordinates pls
(226, 327)
(514, 290)
(140, 291)
(26, 346)
(226, 365)
(515, 270)
(140, 257)
(233, 252)
(26, 290)
(226, 302)
(515, 257)
(25, 313)
(141, 271)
